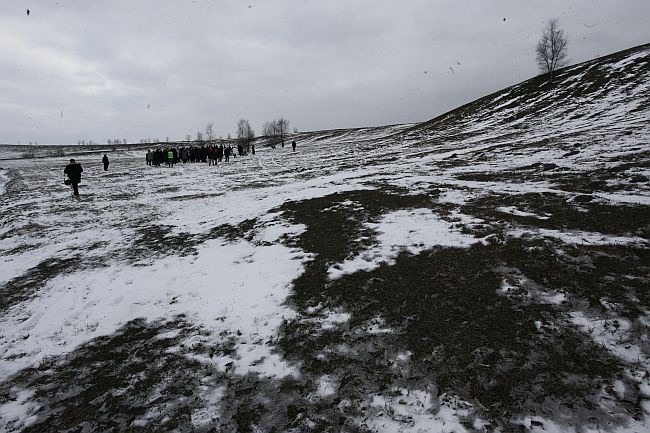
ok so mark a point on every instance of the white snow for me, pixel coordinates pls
(326, 386)
(21, 411)
(224, 287)
(613, 334)
(333, 319)
(619, 388)
(625, 198)
(513, 210)
(405, 230)
(578, 237)
(4, 178)
(415, 411)
(555, 299)
(456, 196)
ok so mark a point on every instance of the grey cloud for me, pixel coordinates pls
(325, 64)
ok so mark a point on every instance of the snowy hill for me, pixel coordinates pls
(487, 271)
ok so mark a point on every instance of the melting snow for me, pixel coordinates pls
(405, 230)
(224, 287)
(512, 210)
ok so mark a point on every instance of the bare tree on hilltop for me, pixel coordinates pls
(551, 49)
(209, 133)
(268, 130)
(276, 131)
(245, 134)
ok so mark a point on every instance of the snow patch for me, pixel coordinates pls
(512, 210)
(577, 237)
(334, 319)
(410, 411)
(412, 230)
(327, 386)
(611, 333)
(3, 182)
(21, 411)
(456, 196)
(224, 287)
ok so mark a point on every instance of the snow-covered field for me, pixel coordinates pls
(485, 271)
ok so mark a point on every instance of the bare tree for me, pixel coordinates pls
(268, 129)
(245, 134)
(209, 133)
(551, 49)
(271, 131)
(188, 138)
(276, 131)
(283, 129)
(199, 137)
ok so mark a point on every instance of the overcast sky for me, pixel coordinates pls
(98, 69)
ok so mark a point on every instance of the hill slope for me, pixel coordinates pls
(587, 119)
(487, 270)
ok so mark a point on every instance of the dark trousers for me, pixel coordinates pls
(105, 166)
(75, 188)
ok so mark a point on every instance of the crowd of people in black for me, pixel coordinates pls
(210, 154)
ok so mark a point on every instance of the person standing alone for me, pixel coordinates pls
(74, 170)
(105, 161)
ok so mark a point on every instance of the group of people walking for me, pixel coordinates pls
(170, 156)
(210, 154)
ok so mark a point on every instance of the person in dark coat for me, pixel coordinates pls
(293, 144)
(74, 170)
(105, 161)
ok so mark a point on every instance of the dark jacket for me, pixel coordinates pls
(73, 170)
(105, 159)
